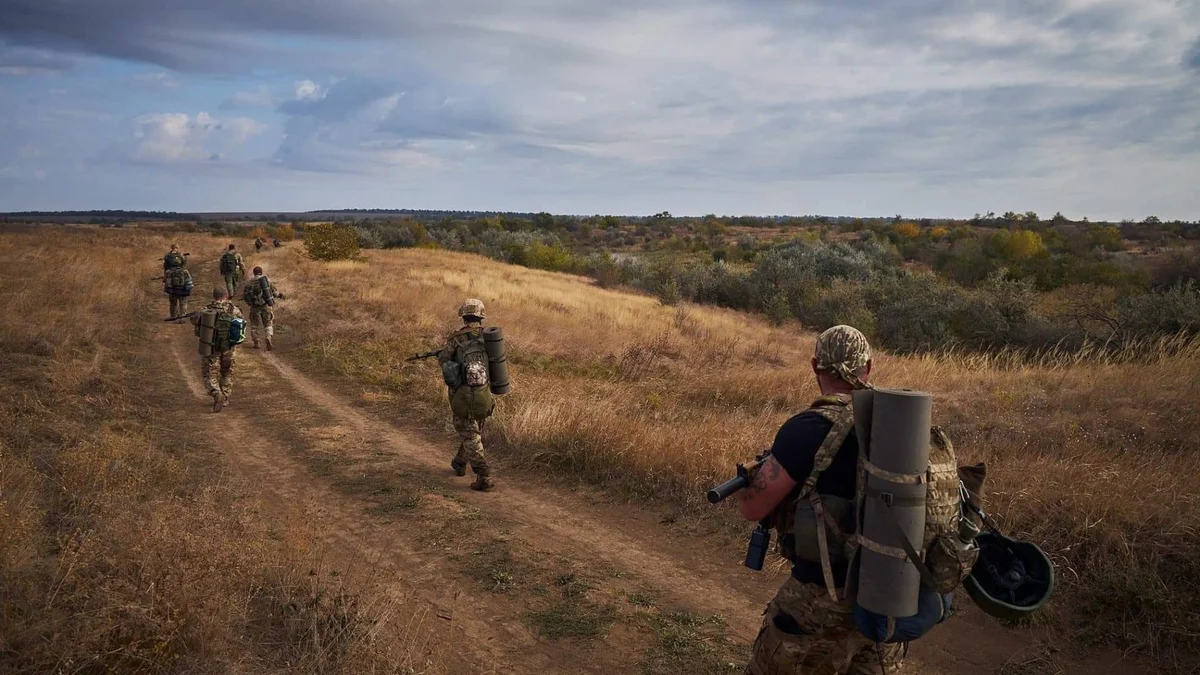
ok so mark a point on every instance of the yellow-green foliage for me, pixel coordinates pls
(331, 241)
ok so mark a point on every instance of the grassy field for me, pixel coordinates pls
(123, 547)
(1093, 458)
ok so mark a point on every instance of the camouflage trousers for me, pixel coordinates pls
(470, 447)
(178, 305)
(805, 632)
(209, 369)
(231, 283)
(262, 317)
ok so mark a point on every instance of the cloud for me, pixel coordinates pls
(258, 98)
(21, 62)
(173, 138)
(307, 90)
(623, 97)
(1191, 58)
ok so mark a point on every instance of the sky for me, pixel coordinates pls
(925, 108)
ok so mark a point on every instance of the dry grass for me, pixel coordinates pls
(118, 552)
(1092, 457)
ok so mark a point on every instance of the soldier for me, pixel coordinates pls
(276, 243)
(222, 388)
(260, 294)
(464, 369)
(177, 281)
(804, 630)
(258, 244)
(173, 258)
(233, 269)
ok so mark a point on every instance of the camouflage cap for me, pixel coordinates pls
(843, 350)
(471, 307)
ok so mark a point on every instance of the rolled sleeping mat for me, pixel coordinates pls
(894, 504)
(493, 342)
(208, 325)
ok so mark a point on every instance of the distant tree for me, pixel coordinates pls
(1032, 217)
(1152, 220)
(543, 221)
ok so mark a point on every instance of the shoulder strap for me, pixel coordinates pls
(838, 411)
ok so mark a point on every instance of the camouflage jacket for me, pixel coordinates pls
(271, 284)
(456, 339)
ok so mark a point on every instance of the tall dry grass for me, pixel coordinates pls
(1092, 457)
(122, 550)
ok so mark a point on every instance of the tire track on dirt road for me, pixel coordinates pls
(479, 643)
(488, 630)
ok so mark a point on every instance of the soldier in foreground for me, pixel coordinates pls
(260, 294)
(220, 356)
(804, 630)
(233, 269)
(464, 362)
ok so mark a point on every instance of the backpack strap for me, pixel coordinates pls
(837, 410)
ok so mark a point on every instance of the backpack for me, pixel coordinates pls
(229, 263)
(173, 259)
(467, 376)
(257, 293)
(815, 527)
(229, 332)
(177, 281)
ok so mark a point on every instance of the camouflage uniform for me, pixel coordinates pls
(804, 630)
(232, 279)
(261, 316)
(470, 447)
(178, 305)
(209, 364)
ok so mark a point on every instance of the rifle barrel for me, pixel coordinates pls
(722, 491)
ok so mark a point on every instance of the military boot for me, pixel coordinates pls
(483, 482)
(219, 400)
(459, 466)
(268, 343)
(254, 344)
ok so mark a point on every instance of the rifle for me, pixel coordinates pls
(182, 317)
(426, 355)
(760, 539)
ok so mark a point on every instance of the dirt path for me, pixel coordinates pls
(528, 578)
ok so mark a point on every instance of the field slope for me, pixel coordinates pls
(594, 553)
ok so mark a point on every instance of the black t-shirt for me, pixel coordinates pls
(795, 448)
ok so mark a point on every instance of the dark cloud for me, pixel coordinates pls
(23, 61)
(1191, 58)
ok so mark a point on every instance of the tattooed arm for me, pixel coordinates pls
(770, 486)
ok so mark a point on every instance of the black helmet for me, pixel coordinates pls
(1012, 578)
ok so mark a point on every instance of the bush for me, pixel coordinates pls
(1162, 312)
(777, 309)
(285, 232)
(331, 241)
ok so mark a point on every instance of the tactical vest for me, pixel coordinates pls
(824, 528)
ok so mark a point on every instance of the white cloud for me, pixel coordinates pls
(307, 90)
(178, 137)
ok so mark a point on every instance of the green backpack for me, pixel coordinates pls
(229, 263)
(228, 332)
(471, 393)
(174, 259)
(255, 292)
